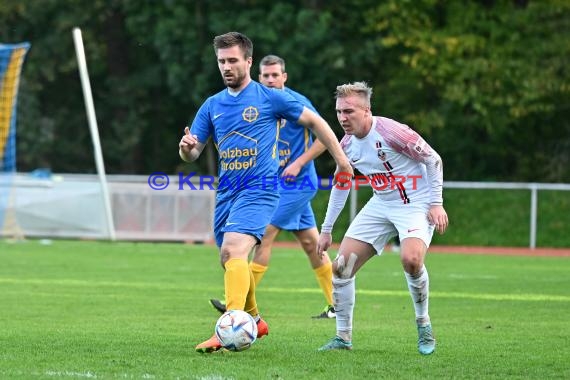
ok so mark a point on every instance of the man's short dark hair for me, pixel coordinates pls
(232, 39)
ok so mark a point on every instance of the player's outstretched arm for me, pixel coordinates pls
(325, 135)
(189, 147)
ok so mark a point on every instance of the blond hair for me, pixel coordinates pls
(360, 89)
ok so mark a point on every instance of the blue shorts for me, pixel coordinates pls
(294, 212)
(247, 211)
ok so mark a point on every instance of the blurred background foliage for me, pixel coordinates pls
(484, 81)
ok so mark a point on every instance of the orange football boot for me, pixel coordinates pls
(210, 345)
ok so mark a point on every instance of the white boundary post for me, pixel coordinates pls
(90, 108)
(533, 214)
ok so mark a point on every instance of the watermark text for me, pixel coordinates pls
(342, 181)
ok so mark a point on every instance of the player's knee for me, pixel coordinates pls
(412, 262)
(343, 268)
(225, 255)
(309, 245)
(310, 248)
(262, 251)
(262, 257)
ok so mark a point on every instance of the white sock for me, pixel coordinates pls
(418, 285)
(344, 296)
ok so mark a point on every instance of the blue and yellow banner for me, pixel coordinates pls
(11, 59)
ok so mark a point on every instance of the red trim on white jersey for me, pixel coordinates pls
(345, 141)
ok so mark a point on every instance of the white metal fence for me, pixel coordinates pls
(533, 187)
(72, 206)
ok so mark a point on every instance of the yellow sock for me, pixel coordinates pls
(236, 283)
(324, 277)
(250, 300)
(258, 271)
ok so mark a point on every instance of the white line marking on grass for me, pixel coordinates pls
(90, 284)
(503, 297)
(87, 374)
(405, 293)
(91, 375)
(388, 293)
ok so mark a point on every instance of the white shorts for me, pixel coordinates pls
(379, 221)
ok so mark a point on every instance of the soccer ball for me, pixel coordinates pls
(236, 330)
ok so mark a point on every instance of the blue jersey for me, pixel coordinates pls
(294, 140)
(245, 129)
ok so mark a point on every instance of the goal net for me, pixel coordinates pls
(11, 60)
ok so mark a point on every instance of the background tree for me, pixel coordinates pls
(486, 82)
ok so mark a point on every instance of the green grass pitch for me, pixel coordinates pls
(98, 310)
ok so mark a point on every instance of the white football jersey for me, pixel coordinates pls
(397, 162)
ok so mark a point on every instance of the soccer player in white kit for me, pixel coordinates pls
(406, 175)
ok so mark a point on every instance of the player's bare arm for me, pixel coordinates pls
(189, 147)
(326, 136)
(293, 169)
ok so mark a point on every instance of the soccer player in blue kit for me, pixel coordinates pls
(297, 150)
(243, 121)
